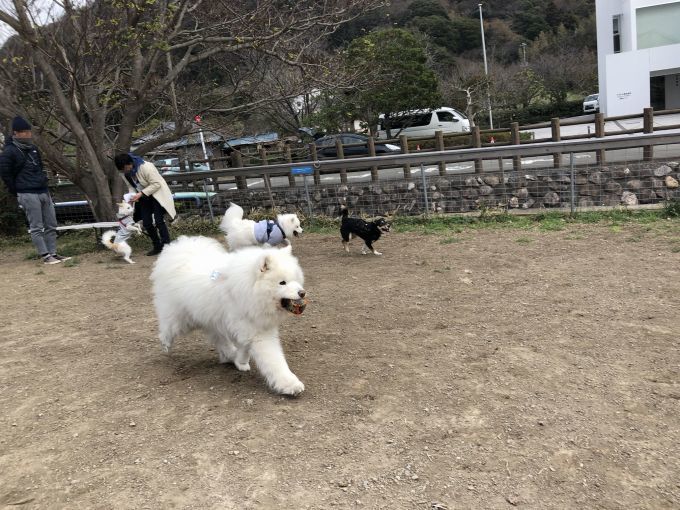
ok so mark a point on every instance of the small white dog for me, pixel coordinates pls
(238, 298)
(127, 227)
(240, 232)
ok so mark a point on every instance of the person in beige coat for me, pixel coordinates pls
(152, 195)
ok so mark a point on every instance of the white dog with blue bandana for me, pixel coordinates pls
(241, 233)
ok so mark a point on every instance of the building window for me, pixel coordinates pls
(658, 25)
(616, 30)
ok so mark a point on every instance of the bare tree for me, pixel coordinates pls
(515, 87)
(563, 65)
(104, 70)
(465, 87)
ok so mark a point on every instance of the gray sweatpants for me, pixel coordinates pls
(42, 220)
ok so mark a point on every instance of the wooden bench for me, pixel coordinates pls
(196, 198)
(97, 228)
(80, 226)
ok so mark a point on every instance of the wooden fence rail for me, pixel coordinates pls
(514, 136)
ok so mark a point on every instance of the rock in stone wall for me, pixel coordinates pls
(641, 183)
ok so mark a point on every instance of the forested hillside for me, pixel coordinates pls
(540, 54)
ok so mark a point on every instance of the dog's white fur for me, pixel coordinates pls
(121, 247)
(235, 297)
(241, 233)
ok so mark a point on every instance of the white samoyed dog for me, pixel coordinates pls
(240, 232)
(238, 298)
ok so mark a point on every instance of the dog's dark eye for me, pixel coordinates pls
(282, 283)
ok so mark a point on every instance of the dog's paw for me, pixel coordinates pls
(166, 346)
(377, 253)
(292, 386)
(243, 367)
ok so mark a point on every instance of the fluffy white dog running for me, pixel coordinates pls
(240, 232)
(238, 298)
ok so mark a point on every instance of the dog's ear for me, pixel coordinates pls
(265, 264)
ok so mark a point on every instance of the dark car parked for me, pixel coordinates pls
(353, 145)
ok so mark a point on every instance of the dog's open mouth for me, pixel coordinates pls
(296, 233)
(294, 306)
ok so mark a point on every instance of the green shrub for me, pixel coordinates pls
(671, 208)
(537, 113)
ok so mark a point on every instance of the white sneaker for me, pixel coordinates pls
(51, 259)
(60, 258)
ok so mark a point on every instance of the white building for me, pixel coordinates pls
(638, 55)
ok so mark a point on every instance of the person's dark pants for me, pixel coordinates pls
(152, 215)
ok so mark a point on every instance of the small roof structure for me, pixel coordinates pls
(251, 140)
(192, 138)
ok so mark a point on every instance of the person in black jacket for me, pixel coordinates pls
(22, 171)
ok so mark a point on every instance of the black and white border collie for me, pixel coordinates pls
(369, 231)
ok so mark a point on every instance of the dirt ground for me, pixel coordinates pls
(478, 370)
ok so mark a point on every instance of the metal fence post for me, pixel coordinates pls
(313, 156)
(309, 202)
(208, 198)
(572, 184)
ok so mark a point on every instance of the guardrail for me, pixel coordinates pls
(513, 152)
(513, 135)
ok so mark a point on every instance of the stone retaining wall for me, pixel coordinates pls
(639, 183)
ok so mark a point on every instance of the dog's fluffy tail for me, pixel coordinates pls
(231, 216)
(107, 238)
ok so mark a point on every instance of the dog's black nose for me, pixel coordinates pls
(301, 293)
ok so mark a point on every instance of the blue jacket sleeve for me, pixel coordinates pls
(8, 171)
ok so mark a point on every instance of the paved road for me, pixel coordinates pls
(534, 162)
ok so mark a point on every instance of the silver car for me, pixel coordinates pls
(591, 104)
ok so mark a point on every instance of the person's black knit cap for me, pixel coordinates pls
(20, 124)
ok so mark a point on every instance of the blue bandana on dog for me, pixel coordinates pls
(269, 231)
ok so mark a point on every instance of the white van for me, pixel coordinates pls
(423, 123)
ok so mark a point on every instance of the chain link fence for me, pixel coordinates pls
(479, 180)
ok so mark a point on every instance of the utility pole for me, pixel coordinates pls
(486, 69)
(523, 47)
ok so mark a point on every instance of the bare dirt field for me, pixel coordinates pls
(479, 370)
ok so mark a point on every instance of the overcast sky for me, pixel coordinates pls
(42, 10)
